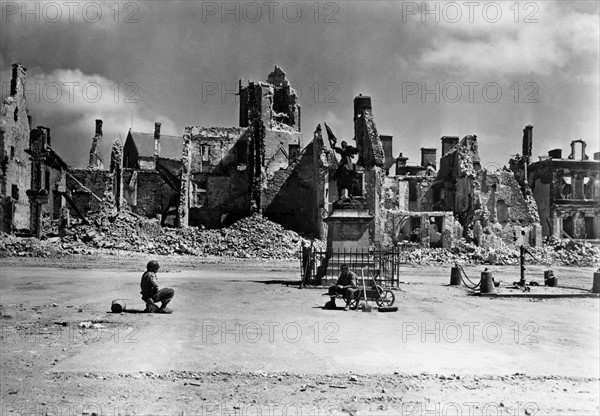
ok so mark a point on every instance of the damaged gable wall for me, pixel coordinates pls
(368, 143)
(218, 177)
(371, 162)
(87, 188)
(295, 196)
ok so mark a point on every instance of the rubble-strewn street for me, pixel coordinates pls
(273, 347)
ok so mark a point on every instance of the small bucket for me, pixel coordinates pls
(118, 306)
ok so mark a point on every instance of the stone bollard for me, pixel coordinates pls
(549, 279)
(487, 282)
(596, 284)
(455, 279)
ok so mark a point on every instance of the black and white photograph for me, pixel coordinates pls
(299, 208)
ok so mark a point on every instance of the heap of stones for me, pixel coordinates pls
(254, 237)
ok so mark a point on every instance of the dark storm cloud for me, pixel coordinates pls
(184, 62)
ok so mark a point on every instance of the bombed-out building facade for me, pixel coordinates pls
(33, 175)
(260, 166)
(567, 191)
(212, 176)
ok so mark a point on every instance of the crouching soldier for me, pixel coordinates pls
(151, 293)
(346, 285)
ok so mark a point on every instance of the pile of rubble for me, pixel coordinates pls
(253, 237)
(553, 252)
(571, 253)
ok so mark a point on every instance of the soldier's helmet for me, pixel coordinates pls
(152, 266)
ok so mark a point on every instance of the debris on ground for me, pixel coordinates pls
(90, 325)
(256, 237)
(552, 252)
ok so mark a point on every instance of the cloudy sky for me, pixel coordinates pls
(432, 69)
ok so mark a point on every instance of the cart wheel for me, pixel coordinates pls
(387, 299)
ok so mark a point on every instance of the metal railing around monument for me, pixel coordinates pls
(318, 267)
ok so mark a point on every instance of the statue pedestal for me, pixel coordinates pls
(348, 230)
(347, 239)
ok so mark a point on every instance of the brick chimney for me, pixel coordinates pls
(156, 141)
(527, 141)
(361, 103)
(428, 157)
(578, 145)
(448, 143)
(48, 141)
(39, 138)
(401, 165)
(96, 156)
(17, 82)
(98, 127)
(555, 153)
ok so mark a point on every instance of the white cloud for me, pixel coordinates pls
(563, 41)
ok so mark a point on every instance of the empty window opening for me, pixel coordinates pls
(412, 191)
(568, 226)
(242, 152)
(415, 229)
(588, 187)
(435, 231)
(589, 228)
(205, 150)
(566, 188)
(502, 212)
(47, 181)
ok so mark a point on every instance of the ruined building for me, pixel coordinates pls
(212, 176)
(15, 174)
(567, 192)
(48, 179)
(88, 187)
(143, 151)
(260, 166)
(372, 163)
(33, 179)
(436, 207)
(151, 173)
(490, 205)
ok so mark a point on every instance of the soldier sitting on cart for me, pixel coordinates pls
(346, 286)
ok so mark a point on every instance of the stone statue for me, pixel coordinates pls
(346, 171)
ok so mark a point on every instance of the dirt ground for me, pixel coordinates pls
(245, 340)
